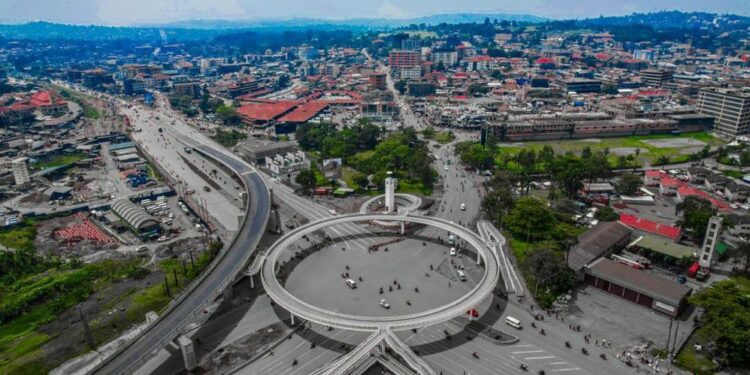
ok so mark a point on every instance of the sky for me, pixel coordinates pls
(134, 12)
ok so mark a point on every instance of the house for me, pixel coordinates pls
(740, 225)
(601, 240)
(653, 177)
(735, 192)
(698, 175)
(716, 182)
(668, 186)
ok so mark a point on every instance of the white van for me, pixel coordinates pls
(351, 283)
(463, 206)
(461, 275)
(513, 322)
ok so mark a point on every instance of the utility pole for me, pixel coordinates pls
(166, 285)
(86, 329)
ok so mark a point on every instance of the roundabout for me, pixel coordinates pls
(299, 308)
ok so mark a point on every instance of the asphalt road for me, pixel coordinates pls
(212, 282)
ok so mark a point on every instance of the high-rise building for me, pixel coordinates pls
(729, 107)
(449, 59)
(656, 77)
(411, 44)
(377, 80)
(399, 58)
(20, 172)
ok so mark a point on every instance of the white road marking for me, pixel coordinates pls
(543, 357)
(528, 351)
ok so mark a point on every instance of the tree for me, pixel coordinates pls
(628, 184)
(725, 320)
(306, 179)
(662, 160)
(496, 204)
(743, 252)
(696, 212)
(476, 156)
(228, 115)
(610, 90)
(530, 219)
(400, 85)
(549, 271)
(606, 213)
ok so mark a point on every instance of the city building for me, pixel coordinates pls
(447, 59)
(411, 44)
(729, 107)
(656, 77)
(255, 150)
(580, 85)
(20, 171)
(402, 58)
(410, 72)
(377, 80)
(286, 166)
(191, 89)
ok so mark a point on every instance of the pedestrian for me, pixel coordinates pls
(596, 342)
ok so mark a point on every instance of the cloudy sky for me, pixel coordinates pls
(129, 12)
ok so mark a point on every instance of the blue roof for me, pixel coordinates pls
(120, 146)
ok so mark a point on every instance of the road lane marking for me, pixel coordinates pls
(542, 357)
(559, 363)
(528, 351)
(565, 369)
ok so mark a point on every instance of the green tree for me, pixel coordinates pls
(726, 320)
(662, 160)
(477, 157)
(306, 179)
(531, 219)
(606, 213)
(549, 272)
(228, 115)
(628, 184)
(696, 212)
(496, 204)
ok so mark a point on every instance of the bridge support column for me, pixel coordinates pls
(403, 227)
(252, 282)
(292, 315)
(479, 259)
(188, 352)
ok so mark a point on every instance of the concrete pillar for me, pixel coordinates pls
(292, 314)
(403, 227)
(479, 258)
(390, 192)
(252, 282)
(188, 352)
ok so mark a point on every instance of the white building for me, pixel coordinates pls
(390, 193)
(410, 72)
(287, 166)
(20, 172)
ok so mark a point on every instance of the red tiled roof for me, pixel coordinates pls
(669, 181)
(305, 112)
(649, 226)
(686, 191)
(655, 173)
(41, 98)
(266, 111)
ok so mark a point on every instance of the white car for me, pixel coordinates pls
(463, 206)
(385, 304)
(333, 212)
(453, 251)
(445, 168)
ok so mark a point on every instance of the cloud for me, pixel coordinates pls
(389, 10)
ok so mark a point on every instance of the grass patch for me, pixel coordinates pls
(228, 138)
(59, 160)
(90, 112)
(19, 237)
(520, 248)
(412, 188)
(648, 152)
(733, 173)
(693, 361)
(348, 174)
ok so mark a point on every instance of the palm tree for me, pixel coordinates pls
(662, 160)
(635, 160)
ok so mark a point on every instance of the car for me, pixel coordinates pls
(162, 239)
(351, 283)
(385, 304)
(333, 212)
(206, 188)
(463, 206)
(445, 168)
(453, 251)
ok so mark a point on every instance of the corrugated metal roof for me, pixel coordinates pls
(669, 291)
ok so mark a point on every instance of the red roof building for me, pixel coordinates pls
(263, 114)
(305, 112)
(645, 225)
(685, 191)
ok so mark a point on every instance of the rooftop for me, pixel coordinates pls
(640, 281)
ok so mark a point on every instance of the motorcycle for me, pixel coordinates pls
(603, 356)
(524, 367)
(542, 332)
(584, 351)
(475, 354)
(567, 344)
(533, 325)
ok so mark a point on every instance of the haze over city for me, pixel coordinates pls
(135, 12)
